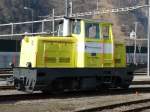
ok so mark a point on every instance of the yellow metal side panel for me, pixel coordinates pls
(108, 60)
(108, 54)
(108, 47)
(80, 46)
(99, 54)
(120, 55)
(92, 53)
(80, 53)
(92, 60)
(56, 52)
(28, 51)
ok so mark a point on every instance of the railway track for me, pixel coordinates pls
(5, 87)
(131, 106)
(6, 70)
(140, 73)
(105, 91)
(5, 73)
(22, 97)
(86, 93)
(4, 99)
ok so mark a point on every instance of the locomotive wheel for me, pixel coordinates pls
(64, 84)
(45, 91)
(57, 86)
(19, 86)
(125, 86)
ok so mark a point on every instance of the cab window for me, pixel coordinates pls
(60, 30)
(105, 31)
(92, 30)
(76, 27)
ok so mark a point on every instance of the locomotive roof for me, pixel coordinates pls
(90, 20)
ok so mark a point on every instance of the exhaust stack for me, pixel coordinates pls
(66, 27)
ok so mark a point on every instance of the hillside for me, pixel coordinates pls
(13, 11)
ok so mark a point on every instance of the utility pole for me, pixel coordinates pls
(67, 8)
(53, 22)
(30, 9)
(71, 8)
(135, 29)
(148, 42)
(97, 4)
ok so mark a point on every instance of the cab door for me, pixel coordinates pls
(107, 42)
(93, 48)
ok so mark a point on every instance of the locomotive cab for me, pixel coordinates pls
(95, 42)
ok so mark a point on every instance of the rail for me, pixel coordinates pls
(119, 105)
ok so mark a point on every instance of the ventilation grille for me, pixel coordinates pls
(117, 60)
(57, 60)
(50, 59)
(107, 64)
(64, 60)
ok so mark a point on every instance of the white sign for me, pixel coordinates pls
(133, 35)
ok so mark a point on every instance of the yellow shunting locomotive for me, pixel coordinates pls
(84, 56)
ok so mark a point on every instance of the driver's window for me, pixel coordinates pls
(92, 30)
(60, 30)
(76, 27)
(105, 31)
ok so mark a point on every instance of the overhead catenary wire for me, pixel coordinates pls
(101, 11)
(106, 11)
